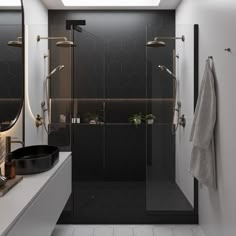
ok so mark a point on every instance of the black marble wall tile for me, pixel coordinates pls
(111, 61)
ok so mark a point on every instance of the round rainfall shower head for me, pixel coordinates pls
(17, 44)
(156, 43)
(65, 44)
(62, 43)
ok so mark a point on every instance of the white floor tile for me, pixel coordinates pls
(83, 231)
(63, 230)
(123, 231)
(143, 231)
(103, 231)
(163, 231)
(198, 231)
(128, 230)
(183, 231)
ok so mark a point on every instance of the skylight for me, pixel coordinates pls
(111, 3)
(10, 3)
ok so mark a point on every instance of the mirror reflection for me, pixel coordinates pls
(11, 65)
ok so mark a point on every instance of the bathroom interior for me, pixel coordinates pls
(104, 107)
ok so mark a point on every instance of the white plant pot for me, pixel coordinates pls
(137, 122)
(150, 121)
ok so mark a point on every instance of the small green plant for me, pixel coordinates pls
(136, 119)
(92, 118)
(150, 118)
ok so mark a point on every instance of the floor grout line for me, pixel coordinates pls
(151, 230)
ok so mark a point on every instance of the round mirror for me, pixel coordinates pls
(11, 62)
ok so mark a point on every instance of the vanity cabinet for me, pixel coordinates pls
(45, 197)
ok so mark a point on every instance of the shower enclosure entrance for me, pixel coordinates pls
(122, 140)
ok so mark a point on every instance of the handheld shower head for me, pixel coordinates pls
(58, 68)
(163, 68)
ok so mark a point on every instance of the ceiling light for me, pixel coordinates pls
(10, 3)
(111, 3)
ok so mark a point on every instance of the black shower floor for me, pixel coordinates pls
(125, 202)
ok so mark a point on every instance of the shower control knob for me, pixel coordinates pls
(182, 121)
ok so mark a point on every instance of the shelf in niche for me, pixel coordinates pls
(58, 123)
(106, 124)
(115, 99)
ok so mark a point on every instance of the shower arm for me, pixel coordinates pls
(51, 38)
(170, 38)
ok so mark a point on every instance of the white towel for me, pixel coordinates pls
(203, 161)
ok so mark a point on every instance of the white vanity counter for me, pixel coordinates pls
(34, 205)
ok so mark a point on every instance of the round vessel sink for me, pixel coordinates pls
(35, 159)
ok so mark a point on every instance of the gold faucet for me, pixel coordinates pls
(9, 142)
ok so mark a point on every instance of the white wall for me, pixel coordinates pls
(216, 19)
(36, 23)
(185, 87)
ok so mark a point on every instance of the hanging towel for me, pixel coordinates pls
(203, 161)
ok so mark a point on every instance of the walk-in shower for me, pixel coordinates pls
(122, 172)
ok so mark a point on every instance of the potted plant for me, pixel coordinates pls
(136, 119)
(150, 119)
(92, 118)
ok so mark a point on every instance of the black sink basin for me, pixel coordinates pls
(35, 159)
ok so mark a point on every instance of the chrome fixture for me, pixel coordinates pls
(157, 42)
(39, 119)
(45, 105)
(228, 50)
(63, 41)
(58, 68)
(163, 68)
(9, 142)
(17, 43)
(182, 121)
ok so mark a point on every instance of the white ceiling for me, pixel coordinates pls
(57, 4)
